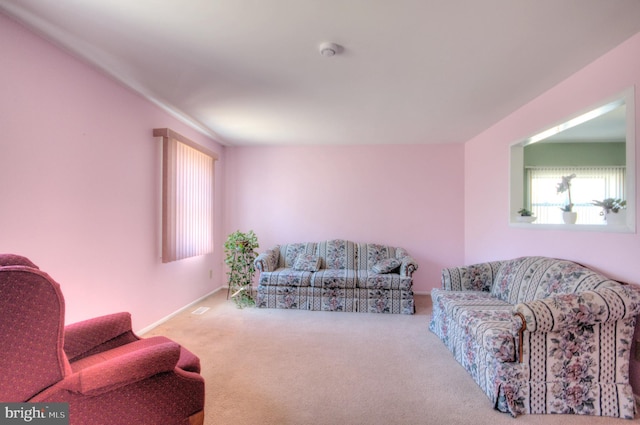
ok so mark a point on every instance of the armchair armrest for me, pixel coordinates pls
(566, 311)
(476, 277)
(124, 366)
(88, 337)
(408, 266)
(268, 260)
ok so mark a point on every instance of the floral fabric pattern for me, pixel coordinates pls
(285, 277)
(575, 327)
(477, 277)
(338, 254)
(377, 253)
(369, 279)
(529, 278)
(268, 260)
(509, 277)
(371, 254)
(307, 262)
(496, 330)
(289, 253)
(329, 278)
(335, 299)
(339, 283)
(386, 266)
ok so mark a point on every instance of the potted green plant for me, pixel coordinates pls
(568, 215)
(525, 216)
(239, 249)
(613, 210)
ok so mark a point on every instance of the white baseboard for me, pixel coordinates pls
(175, 313)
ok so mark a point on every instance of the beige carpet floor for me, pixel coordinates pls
(291, 367)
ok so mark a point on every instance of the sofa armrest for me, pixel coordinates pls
(567, 311)
(156, 356)
(408, 266)
(476, 277)
(97, 334)
(268, 260)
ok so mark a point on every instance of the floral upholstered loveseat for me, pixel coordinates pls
(336, 275)
(540, 335)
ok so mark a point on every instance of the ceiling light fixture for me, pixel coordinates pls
(329, 49)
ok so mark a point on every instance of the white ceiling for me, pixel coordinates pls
(249, 72)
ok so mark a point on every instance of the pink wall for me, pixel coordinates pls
(487, 234)
(407, 195)
(80, 184)
(88, 214)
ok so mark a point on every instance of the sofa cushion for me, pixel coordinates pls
(475, 277)
(307, 262)
(333, 278)
(453, 302)
(494, 329)
(369, 254)
(337, 254)
(530, 278)
(285, 277)
(386, 266)
(480, 316)
(372, 280)
(510, 277)
(289, 253)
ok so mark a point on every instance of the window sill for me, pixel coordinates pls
(575, 227)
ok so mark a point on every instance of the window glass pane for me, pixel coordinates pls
(591, 183)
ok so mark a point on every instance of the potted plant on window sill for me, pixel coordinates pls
(613, 210)
(568, 215)
(525, 216)
(239, 249)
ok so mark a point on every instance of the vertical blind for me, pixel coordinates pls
(187, 197)
(590, 183)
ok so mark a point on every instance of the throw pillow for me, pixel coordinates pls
(307, 263)
(386, 266)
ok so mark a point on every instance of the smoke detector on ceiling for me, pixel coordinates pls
(329, 49)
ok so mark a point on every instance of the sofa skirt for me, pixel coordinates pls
(357, 300)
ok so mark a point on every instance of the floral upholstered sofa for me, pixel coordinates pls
(540, 335)
(336, 275)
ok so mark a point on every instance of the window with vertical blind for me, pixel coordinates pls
(590, 183)
(187, 197)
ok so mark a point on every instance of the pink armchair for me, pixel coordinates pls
(104, 371)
